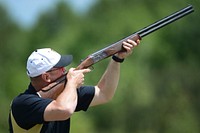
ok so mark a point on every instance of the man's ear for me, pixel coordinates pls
(46, 77)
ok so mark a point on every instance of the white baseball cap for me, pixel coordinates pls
(42, 60)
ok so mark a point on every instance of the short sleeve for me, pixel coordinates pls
(28, 110)
(85, 96)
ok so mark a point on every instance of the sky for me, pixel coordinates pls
(26, 12)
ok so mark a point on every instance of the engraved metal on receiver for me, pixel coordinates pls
(98, 57)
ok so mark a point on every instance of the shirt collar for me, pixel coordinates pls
(31, 89)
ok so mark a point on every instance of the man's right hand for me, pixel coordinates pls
(76, 77)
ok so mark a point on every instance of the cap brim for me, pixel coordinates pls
(64, 61)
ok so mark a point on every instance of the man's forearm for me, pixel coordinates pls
(109, 81)
(63, 106)
(68, 98)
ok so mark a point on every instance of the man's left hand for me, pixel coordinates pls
(128, 46)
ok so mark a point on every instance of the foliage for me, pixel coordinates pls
(159, 87)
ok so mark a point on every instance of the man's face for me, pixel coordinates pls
(56, 73)
(51, 76)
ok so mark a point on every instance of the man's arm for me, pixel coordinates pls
(106, 87)
(64, 105)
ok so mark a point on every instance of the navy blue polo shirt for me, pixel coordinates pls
(27, 111)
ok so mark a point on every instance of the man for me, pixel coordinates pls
(46, 106)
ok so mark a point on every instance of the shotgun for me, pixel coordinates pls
(117, 47)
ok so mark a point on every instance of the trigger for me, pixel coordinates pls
(91, 68)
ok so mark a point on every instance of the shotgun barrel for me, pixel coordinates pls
(165, 21)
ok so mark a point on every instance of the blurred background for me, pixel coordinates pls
(159, 89)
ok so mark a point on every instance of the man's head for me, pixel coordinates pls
(43, 60)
